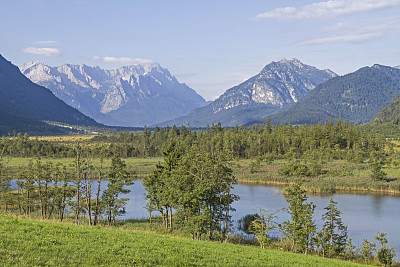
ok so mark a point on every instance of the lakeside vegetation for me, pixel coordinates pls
(335, 156)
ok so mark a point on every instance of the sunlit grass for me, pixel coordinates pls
(33, 243)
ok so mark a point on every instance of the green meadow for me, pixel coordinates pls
(35, 243)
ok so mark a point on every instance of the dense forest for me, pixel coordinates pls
(340, 140)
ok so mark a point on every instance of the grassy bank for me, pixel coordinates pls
(33, 243)
(338, 176)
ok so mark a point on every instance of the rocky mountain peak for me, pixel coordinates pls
(126, 96)
(277, 86)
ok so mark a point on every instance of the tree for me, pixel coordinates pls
(262, 225)
(367, 249)
(333, 236)
(160, 185)
(376, 165)
(78, 169)
(118, 179)
(301, 229)
(385, 254)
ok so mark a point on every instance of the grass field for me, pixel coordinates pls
(33, 243)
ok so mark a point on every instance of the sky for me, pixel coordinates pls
(211, 45)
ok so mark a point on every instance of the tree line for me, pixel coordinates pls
(48, 190)
(340, 140)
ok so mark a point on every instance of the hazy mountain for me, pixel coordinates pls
(23, 102)
(356, 97)
(129, 96)
(277, 86)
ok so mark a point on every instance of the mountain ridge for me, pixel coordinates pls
(133, 95)
(355, 97)
(22, 100)
(277, 86)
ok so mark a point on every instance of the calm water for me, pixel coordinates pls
(364, 214)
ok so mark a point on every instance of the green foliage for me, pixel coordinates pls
(376, 164)
(367, 249)
(255, 165)
(316, 143)
(301, 229)
(332, 239)
(295, 169)
(197, 185)
(262, 225)
(385, 254)
(118, 178)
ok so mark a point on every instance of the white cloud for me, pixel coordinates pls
(328, 9)
(123, 60)
(46, 51)
(357, 32)
(47, 42)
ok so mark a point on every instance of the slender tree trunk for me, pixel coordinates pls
(78, 180)
(170, 217)
(19, 200)
(96, 209)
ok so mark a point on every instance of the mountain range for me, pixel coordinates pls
(356, 97)
(133, 95)
(23, 103)
(277, 86)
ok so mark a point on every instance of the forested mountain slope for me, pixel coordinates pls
(21, 98)
(390, 113)
(356, 97)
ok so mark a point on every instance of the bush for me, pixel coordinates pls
(295, 169)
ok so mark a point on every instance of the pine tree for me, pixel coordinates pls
(333, 237)
(301, 229)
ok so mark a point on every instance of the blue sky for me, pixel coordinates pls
(210, 45)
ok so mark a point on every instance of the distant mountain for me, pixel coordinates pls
(129, 96)
(277, 86)
(390, 113)
(23, 102)
(356, 97)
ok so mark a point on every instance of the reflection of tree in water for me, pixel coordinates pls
(377, 204)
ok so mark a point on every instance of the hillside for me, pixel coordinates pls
(135, 95)
(356, 97)
(390, 113)
(31, 243)
(276, 87)
(23, 102)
